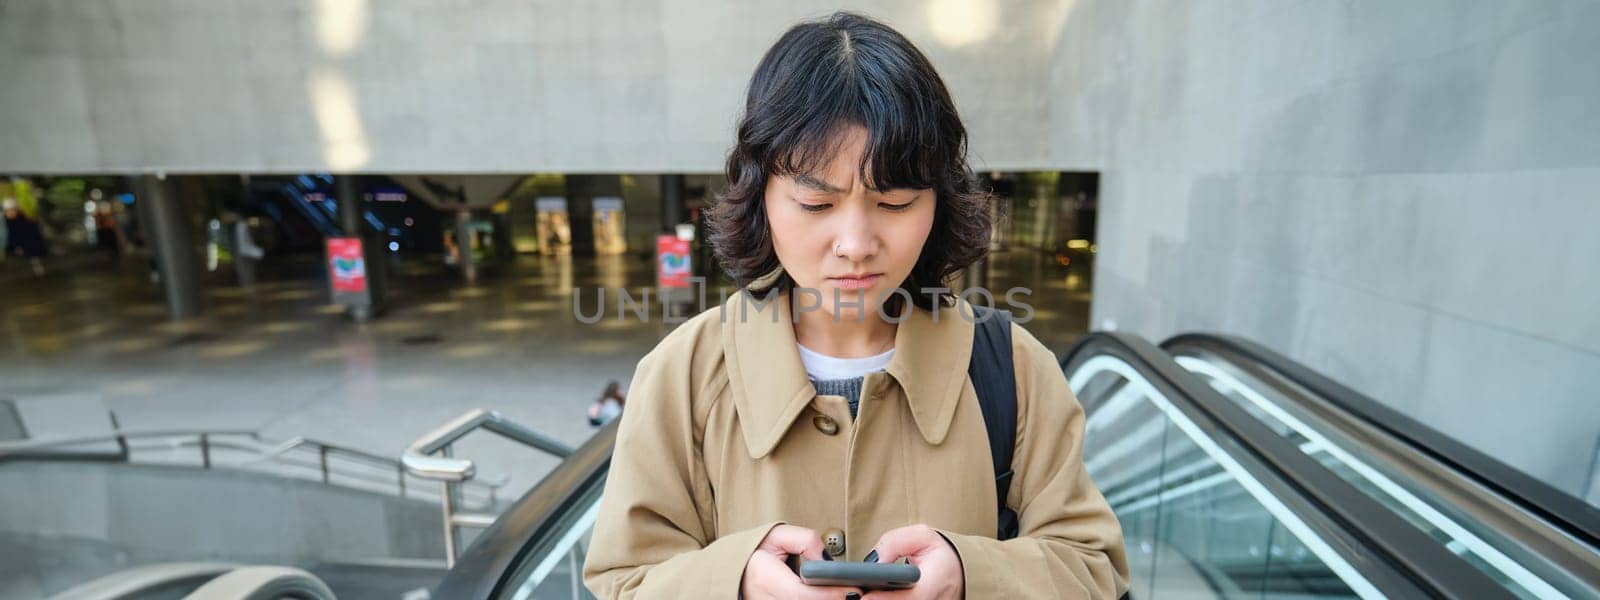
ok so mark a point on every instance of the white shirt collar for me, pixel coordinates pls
(821, 367)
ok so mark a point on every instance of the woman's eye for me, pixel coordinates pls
(814, 207)
(894, 207)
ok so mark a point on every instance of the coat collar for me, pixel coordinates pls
(769, 384)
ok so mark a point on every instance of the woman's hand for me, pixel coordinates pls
(767, 575)
(942, 577)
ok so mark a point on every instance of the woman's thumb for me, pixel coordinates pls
(791, 539)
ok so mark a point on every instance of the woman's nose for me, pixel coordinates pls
(856, 241)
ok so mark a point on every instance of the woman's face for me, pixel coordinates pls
(832, 233)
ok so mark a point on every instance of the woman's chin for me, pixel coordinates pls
(842, 302)
(848, 297)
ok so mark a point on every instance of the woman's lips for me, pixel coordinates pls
(855, 283)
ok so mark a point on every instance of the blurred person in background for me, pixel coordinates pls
(107, 235)
(23, 237)
(246, 254)
(608, 406)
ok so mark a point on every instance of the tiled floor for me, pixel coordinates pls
(278, 359)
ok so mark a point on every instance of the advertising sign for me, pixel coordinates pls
(672, 262)
(346, 267)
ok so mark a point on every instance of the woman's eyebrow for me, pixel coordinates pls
(817, 184)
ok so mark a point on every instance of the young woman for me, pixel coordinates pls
(839, 417)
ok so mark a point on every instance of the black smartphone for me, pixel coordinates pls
(865, 575)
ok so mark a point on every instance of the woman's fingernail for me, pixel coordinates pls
(872, 556)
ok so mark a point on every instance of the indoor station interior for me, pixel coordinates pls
(316, 299)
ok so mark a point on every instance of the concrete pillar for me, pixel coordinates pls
(465, 260)
(352, 221)
(581, 192)
(673, 208)
(976, 275)
(349, 205)
(167, 235)
(580, 212)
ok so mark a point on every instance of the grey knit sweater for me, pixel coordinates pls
(849, 388)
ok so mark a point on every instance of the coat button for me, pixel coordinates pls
(833, 542)
(825, 424)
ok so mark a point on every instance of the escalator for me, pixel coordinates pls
(1213, 505)
(1234, 472)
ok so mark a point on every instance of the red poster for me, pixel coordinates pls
(672, 262)
(346, 266)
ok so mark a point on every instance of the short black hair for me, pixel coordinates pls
(819, 79)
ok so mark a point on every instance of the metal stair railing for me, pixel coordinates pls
(431, 457)
(376, 473)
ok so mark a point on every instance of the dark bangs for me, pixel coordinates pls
(818, 80)
(908, 120)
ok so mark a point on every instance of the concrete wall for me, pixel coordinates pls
(453, 86)
(78, 521)
(1402, 195)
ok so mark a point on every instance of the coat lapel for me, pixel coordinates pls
(766, 376)
(930, 364)
(769, 384)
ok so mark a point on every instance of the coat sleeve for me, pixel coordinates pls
(1069, 544)
(653, 536)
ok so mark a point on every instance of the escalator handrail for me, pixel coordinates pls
(142, 580)
(1424, 559)
(482, 570)
(1569, 513)
(264, 583)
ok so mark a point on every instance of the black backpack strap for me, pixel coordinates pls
(994, 379)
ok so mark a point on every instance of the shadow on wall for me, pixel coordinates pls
(1352, 288)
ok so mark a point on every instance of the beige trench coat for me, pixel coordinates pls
(724, 437)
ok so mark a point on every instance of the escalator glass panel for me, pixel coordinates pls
(554, 566)
(1480, 546)
(1197, 523)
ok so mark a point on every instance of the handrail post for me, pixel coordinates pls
(449, 516)
(322, 455)
(122, 441)
(432, 457)
(573, 569)
(400, 471)
(205, 450)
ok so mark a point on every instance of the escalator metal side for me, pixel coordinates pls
(1578, 518)
(1422, 559)
(1564, 554)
